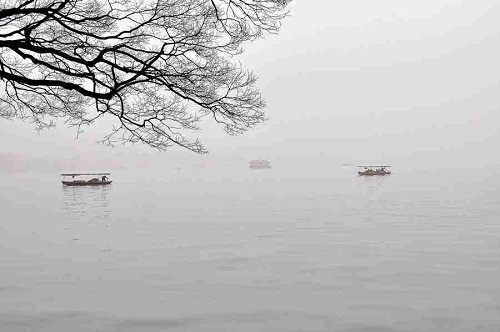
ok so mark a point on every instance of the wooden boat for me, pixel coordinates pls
(100, 180)
(260, 164)
(370, 170)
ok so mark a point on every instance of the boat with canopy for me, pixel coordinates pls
(260, 164)
(82, 179)
(369, 170)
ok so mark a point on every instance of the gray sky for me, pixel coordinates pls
(362, 80)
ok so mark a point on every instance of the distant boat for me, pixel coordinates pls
(370, 170)
(101, 179)
(260, 164)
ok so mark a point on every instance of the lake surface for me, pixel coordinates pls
(233, 249)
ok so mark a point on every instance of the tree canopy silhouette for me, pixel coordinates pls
(155, 66)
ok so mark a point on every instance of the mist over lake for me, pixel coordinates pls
(230, 248)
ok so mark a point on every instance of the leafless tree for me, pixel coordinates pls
(155, 66)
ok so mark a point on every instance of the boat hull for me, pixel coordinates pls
(373, 173)
(84, 183)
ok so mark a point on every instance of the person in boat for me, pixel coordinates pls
(104, 178)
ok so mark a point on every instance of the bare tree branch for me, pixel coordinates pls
(155, 66)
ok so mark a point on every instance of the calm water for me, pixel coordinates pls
(240, 250)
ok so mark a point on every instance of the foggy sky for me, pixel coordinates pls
(387, 81)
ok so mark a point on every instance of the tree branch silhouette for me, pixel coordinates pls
(155, 66)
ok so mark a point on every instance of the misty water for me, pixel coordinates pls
(234, 249)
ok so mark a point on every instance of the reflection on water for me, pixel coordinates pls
(87, 201)
(374, 183)
(87, 213)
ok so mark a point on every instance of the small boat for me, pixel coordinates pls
(370, 170)
(101, 179)
(260, 164)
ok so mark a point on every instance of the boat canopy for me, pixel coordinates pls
(373, 166)
(77, 174)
